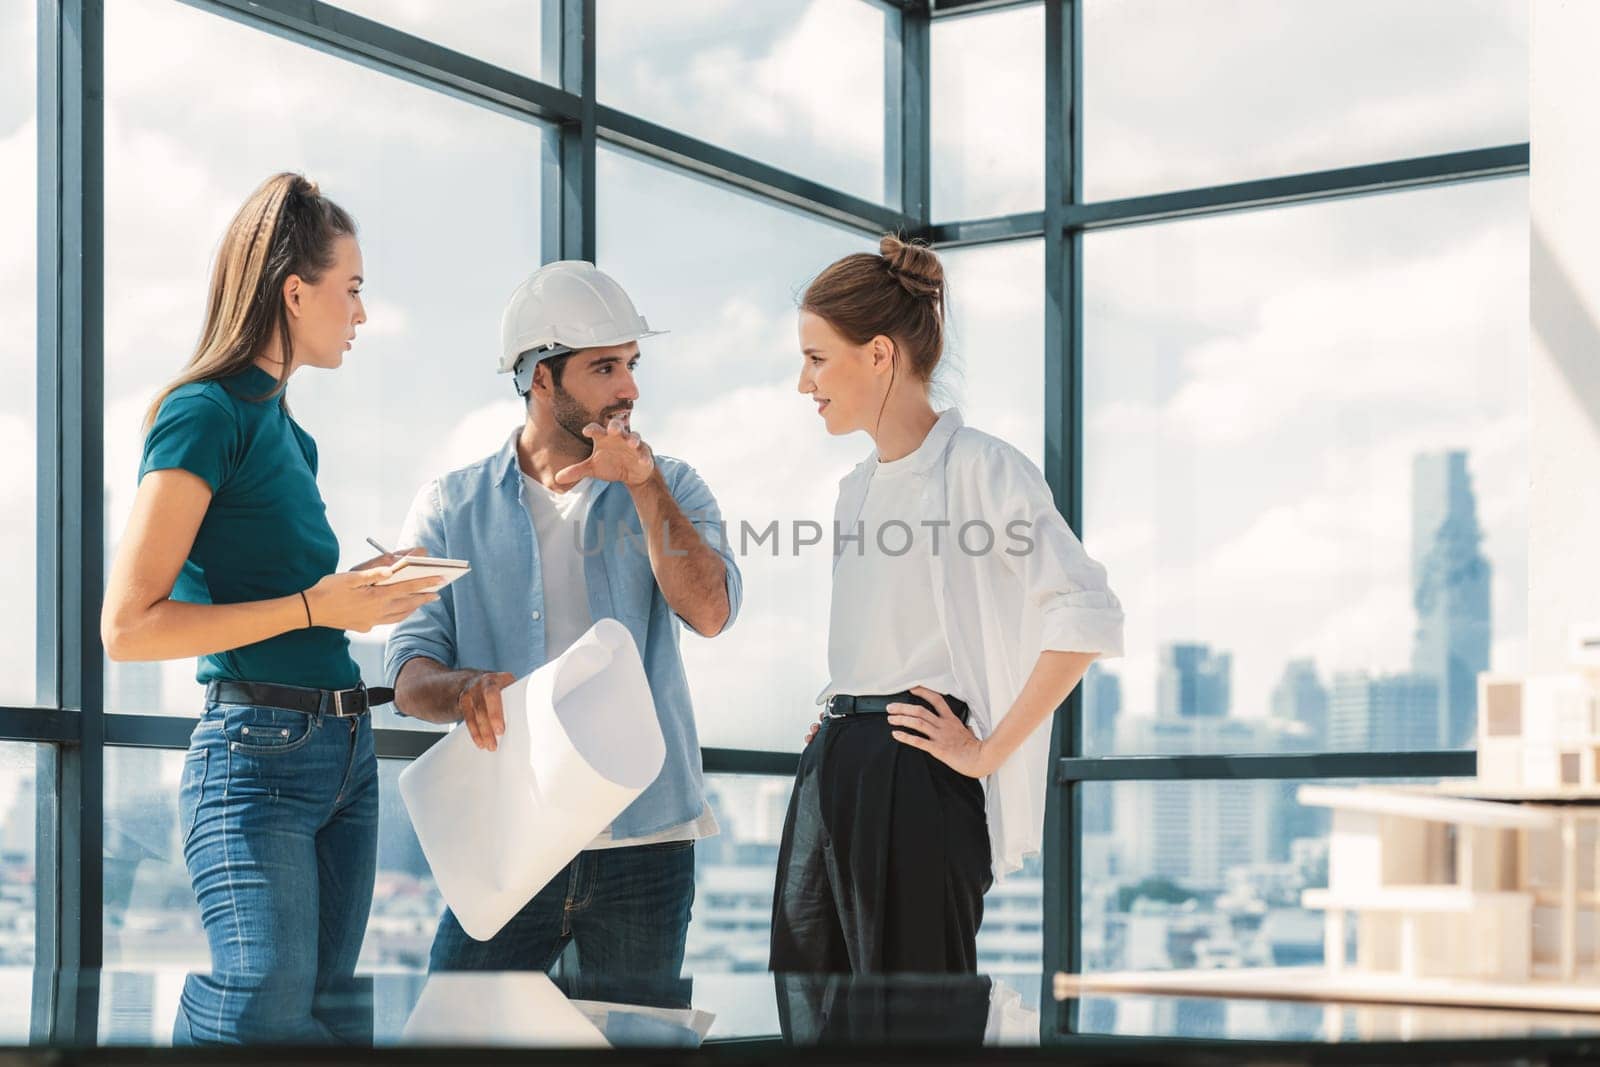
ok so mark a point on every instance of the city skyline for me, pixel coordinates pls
(1436, 699)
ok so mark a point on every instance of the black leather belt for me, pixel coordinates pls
(339, 703)
(841, 705)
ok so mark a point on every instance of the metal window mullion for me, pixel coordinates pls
(1389, 176)
(372, 44)
(39, 725)
(1063, 443)
(907, 118)
(70, 365)
(680, 151)
(570, 192)
(944, 9)
(172, 732)
(1256, 767)
(967, 233)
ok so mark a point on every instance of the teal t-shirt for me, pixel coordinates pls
(265, 534)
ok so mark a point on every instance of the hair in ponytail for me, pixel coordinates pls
(286, 227)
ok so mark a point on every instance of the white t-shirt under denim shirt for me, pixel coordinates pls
(883, 630)
(557, 525)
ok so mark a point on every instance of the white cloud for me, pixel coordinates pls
(386, 319)
(1183, 95)
(800, 85)
(477, 434)
(506, 33)
(987, 101)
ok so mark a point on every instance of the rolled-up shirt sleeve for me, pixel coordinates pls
(700, 508)
(431, 629)
(1078, 611)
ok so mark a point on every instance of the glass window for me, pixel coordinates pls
(722, 271)
(28, 879)
(503, 32)
(798, 84)
(1178, 94)
(733, 874)
(151, 915)
(25, 787)
(994, 355)
(151, 919)
(406, 905)
(1187, 875)
(987, 101)
(446, 234)
(1306, 469)
(19, 311)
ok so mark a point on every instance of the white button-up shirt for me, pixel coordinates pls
(1033, 590)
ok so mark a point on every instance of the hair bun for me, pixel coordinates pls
(915, 266)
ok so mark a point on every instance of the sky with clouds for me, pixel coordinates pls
(1256, 385)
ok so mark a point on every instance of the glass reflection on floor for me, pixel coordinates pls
(533, 1010)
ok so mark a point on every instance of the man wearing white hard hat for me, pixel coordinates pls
(574, 519)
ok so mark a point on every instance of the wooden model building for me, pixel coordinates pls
(1495, 878)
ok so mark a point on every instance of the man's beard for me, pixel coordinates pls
(573, 416)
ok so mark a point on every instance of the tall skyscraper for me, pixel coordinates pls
(1390, 714)
(1102, 703)
(1193, 682)
(1450, 589)
(1300, 697)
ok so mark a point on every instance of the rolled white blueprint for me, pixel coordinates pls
(582, 742)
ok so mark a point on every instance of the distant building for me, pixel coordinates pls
(1389, 714)
(1102, 704)
(1450, 579)
(1196, 831)
(1193, 682)
(1300, 697)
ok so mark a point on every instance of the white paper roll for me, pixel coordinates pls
(582, 742)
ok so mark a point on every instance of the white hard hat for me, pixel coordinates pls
(565, 306)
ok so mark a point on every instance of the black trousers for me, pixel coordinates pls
(884, 858)
(906, 1009)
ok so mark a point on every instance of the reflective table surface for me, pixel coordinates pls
(978, 1018)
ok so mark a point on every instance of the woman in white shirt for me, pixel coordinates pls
(964, 612)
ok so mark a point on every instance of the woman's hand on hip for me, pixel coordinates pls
(353, 600)
(812, 733)
(947, 739)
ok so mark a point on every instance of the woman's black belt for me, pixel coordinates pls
(339, 703)
(841, 705)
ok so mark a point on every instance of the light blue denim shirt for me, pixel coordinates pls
(494, 619)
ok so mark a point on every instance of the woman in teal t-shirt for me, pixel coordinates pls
(228, 556)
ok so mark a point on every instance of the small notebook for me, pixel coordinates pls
(411, 568)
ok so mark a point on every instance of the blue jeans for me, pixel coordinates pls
(279, 812)
(627, 910)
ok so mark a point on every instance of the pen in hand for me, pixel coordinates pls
(379, 547)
